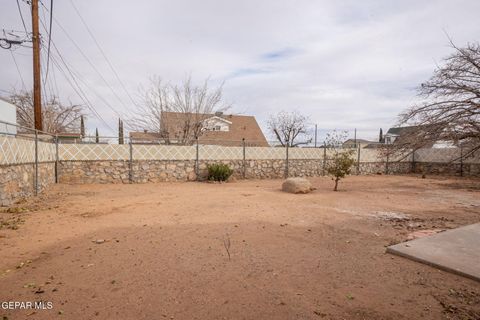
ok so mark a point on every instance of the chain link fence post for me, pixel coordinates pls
(130, 162)
(244, 160)
(461, 161)
(386, 164)
(36, 163)
(413, 162)
(286, 162)
(56, 158)
(324, 158)
(358, 159)
(197, 165)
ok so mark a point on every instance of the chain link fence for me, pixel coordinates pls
(19, 145)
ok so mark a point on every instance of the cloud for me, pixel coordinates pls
(347, 64)
(278, 54)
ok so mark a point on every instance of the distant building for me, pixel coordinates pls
(396, 133)
(8, 113)
(355, 143)
(69, 137)
(217, 129)
(146, 137)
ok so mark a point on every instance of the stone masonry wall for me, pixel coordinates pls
(79, 172)
(18, 181)
(453, 169)
(143, 171)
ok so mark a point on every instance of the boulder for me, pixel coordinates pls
(297, 185)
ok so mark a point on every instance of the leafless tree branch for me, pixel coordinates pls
(450, 106)
(288, 127)
(57, 117)
(178, 108)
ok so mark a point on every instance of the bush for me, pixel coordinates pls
(219, 172)
(340, 166)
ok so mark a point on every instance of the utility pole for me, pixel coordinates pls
(316, 136)
(37, 95)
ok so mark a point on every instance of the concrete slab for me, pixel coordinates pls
(456, 250)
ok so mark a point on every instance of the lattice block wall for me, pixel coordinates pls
(163, 152)
(258, 153)
(16, 151)
(370, 155)
(305, 153)
(220, 153)
(46, 152)
(85, 152)
(438, 155)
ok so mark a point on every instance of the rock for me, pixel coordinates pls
(192, 176)
(297, 185)
(231, 179)
(98, 241)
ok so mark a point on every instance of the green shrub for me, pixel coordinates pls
(219, 172)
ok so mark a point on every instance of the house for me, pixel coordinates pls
(397, 133)
(355, 143)
(8, 117)
(215, 129)
(146, 137)
(66, 137)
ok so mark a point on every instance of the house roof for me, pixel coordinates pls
(352, 141)
(69, 135)
(397, 131)
(374, 145)
(241, 127)
(145, 137)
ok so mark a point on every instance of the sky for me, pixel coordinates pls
(344, 64)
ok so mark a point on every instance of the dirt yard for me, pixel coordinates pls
(156, 251)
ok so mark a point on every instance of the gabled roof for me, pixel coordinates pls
(240, 127)
(219, 119)
(352, 141)
(145, 137)
(398, 131)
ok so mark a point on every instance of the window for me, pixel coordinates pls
(217, 128)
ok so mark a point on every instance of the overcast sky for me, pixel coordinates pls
(346, 64)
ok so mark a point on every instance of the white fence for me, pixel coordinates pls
(15, 150)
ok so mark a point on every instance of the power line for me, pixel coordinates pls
(77, 74)
(49, 32)
(90, 63)
(77, 88)
(21, 16)
(103, 53)
(49, 38)
(18, 70)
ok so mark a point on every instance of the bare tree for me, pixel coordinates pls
(177, 112)
(289, 127)
(450, 107)
(57, 117)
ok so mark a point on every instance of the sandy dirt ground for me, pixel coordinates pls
(159, 251)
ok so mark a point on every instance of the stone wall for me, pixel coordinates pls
(305, 168)
(18, 181)
(143, 171)
(79, 172)
(453, 169)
